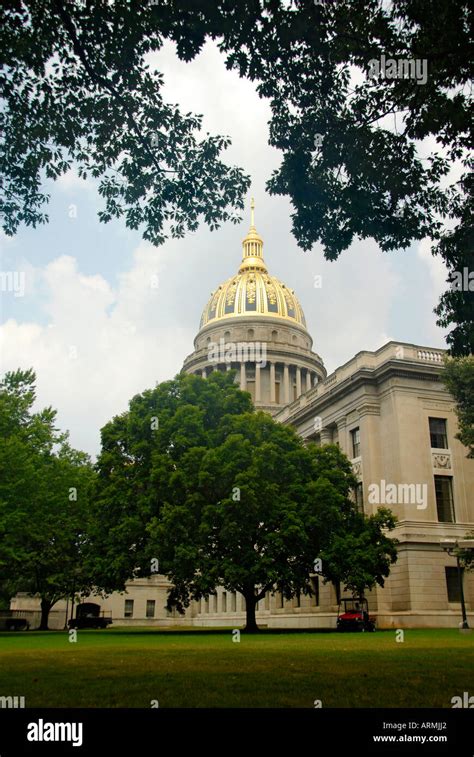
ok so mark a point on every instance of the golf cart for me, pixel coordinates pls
(353, 615)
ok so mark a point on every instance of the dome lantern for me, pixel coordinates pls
(252, 247)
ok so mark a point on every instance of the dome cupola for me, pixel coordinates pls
(253, 291)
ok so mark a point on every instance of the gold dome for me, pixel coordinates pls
(252, 291)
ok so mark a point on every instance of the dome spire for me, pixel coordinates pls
(252, 246)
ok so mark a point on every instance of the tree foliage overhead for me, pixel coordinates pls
(76, 90)
(362, 156)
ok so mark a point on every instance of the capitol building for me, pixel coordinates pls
(389, 413)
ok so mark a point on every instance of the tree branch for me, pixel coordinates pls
(101, 80)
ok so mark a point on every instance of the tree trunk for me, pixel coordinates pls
(46, 606)
(250, 604)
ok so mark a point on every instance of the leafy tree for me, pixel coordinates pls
(139, 464)
(76, 90)
(259, 511)
(44, 486)
(458, 376)
(221, 496)
(364, 155)
(360, 555)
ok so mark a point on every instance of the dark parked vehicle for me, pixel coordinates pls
(13, 620)
(89, 615)
(354, 615)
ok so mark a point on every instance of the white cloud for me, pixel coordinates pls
(101, 345)
(436, 268)
(351, 310)
(71, 180)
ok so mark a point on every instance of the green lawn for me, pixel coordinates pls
(131, 667)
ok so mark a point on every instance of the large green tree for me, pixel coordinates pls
(44, 499)
(458, 376)
(255, 513)
(364, 155)
(221, 495)
(139, 464)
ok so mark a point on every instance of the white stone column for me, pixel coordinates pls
(272, 382)
(257, 383)
(298, 381)
(286, 383)
(308, 380)
(326, 436)
(342, 434)
(243, 377)
(315, 379)
(204, 373)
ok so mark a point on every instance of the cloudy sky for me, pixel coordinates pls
(97, 333)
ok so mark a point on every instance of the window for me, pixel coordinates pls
(128, 612)
(359, 496)
(355, 436)
(224, 601)
(315, 591)
(150, 608)
(438, 434)
(452, 584)
(233, 602)
(444, 499)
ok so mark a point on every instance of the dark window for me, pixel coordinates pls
(452, 584)
(359, 497)
(444, 499)
(150, 608)
(128, 613)
(438, 435)
(355, 436)
(315, 590)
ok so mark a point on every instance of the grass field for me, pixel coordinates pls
(132, 667)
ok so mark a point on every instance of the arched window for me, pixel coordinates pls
(274, 336)
(250, 333)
